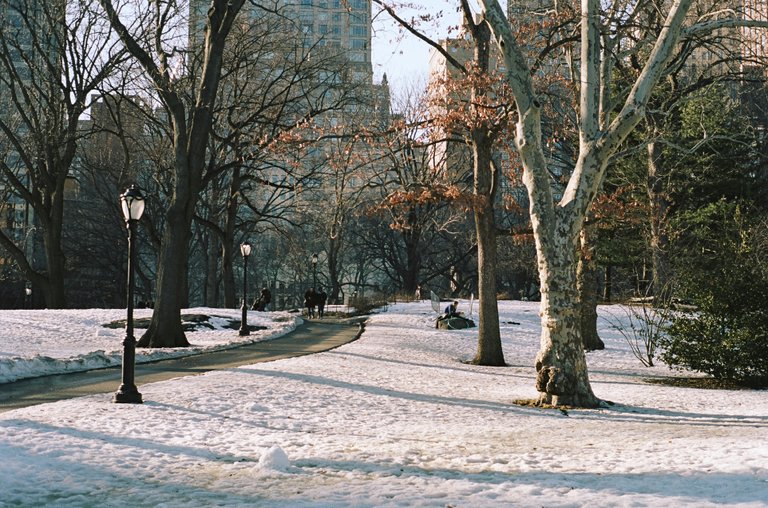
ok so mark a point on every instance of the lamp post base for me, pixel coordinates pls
(244, 330)
(127, 395)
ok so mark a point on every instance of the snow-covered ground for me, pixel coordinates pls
(35, 343)
(393, 419)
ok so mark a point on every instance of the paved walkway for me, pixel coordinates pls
(311, 337)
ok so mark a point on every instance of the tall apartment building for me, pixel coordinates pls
(751, 43)
(337, 30)
(22, 50)
(332, 40)
(339, 25)
(15, 217)
(755, 40)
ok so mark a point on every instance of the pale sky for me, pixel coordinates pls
(401, 56)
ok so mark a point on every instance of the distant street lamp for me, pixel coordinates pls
(245, 250)
(133, 207)
(28, 296)
(314, 271)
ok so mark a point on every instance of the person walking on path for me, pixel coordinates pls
(310, 300)
(322, 297)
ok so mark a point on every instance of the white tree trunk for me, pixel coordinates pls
(561, 367)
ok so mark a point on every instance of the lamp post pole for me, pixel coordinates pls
(133, 207)
(314, 271)
(245, 250)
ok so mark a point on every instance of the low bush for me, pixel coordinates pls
(727, 335)
(365, 305)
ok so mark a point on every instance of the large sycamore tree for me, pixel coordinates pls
(562, 377)
(190, 127)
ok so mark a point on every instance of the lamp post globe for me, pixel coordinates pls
(245, 250)
(132, 204)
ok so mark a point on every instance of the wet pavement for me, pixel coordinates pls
(311, 337)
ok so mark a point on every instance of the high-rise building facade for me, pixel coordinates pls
(338, 25)
(317, 66)
(715, 56)
(18, 41)
(755, 39)
(21, 48)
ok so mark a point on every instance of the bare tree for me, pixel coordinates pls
(272, 134)
(53, 56)
(190, 123)
(479, 119)
(487, 120)
(416, 195)
(344, 183)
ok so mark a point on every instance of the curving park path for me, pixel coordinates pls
(311, 337)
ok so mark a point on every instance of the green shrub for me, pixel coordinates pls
(727, 336)
(720, 346)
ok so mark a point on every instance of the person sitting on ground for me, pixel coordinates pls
(263, 300)
(450, 311)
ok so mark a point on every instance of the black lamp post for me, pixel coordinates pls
(133, 207)
(245, 250)
(314, 271)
